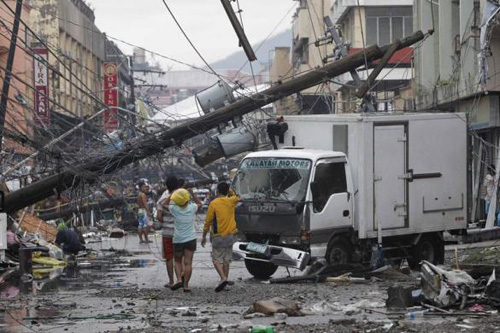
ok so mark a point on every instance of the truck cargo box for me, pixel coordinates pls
(409, 171)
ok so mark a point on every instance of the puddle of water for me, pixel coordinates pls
(72, 278)
(142, 263)
(28, 315)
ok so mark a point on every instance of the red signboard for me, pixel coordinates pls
(41, 83)
(111, 121)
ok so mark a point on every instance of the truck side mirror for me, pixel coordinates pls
(314, 189)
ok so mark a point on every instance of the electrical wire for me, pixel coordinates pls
(188, 39)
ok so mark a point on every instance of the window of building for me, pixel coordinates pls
(329, 179)
(386, 24)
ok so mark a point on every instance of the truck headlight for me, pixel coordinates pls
(290, 240)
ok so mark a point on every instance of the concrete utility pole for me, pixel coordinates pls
(239, 30)
(151, 145)
(10, 64)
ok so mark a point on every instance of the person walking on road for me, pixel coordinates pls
(184, 213)
(167, 221)
(220, 220)
(144, 215)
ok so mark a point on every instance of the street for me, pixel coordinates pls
(346, 154)
(126, 292)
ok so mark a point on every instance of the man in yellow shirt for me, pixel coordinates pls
(220, 221)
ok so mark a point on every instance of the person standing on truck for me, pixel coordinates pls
(167, 221)
(184, 239)
(220, 220)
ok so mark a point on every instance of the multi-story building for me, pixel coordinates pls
(18, 115)
(308, 27)
(367, 22)
(68, 28)
(456, 71)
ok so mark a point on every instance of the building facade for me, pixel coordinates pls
(367, 22)
(305, 55)
(68, 28)
(18, 115)
(456, 71)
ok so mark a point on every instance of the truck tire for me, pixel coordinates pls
(429, 248)
(339, 252)
(260, 270)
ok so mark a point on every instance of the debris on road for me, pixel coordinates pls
(482, 262)
(346, 279)
(399, 297)
(325, 307)
(277, 305)
(445, 288)
(391, 274)
(117, 233)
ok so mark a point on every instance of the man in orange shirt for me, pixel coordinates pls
(220, 220)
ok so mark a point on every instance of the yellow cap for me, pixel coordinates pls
(180, 197)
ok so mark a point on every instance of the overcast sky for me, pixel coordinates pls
(147, 23)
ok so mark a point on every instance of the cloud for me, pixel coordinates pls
(147, 23)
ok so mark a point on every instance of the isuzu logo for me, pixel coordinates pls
(261, 209)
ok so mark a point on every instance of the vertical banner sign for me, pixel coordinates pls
(111, 121)
(41, 80)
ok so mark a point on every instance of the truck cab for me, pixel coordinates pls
(293, 199)
(362, 183)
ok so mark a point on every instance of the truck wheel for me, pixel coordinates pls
(260, 269)
(339, 252)
(430, 248)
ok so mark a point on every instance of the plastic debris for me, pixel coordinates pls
(477, 308)
(325, 307)
(445, 288)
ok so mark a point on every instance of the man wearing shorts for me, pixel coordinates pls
(144, 216)
(184, 213)
(167, 221)
(220, 220)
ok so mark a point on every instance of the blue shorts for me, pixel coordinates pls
(142, 218)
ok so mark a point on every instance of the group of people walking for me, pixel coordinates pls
(177, 209)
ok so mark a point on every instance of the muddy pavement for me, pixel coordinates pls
(124, 290)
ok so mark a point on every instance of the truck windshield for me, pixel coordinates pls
(283, 179)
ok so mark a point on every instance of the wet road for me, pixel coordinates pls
(122, 289)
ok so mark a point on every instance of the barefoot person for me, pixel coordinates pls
(167, 221)
(143, 214)
(184, 239)
(221, 221)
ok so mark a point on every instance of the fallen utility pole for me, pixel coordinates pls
(156, 144)
(365, 86)
(10, 64)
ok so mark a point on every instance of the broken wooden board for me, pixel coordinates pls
(32, 224)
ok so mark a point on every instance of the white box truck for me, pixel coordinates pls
(340, 185)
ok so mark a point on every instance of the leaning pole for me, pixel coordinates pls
(152, 145)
